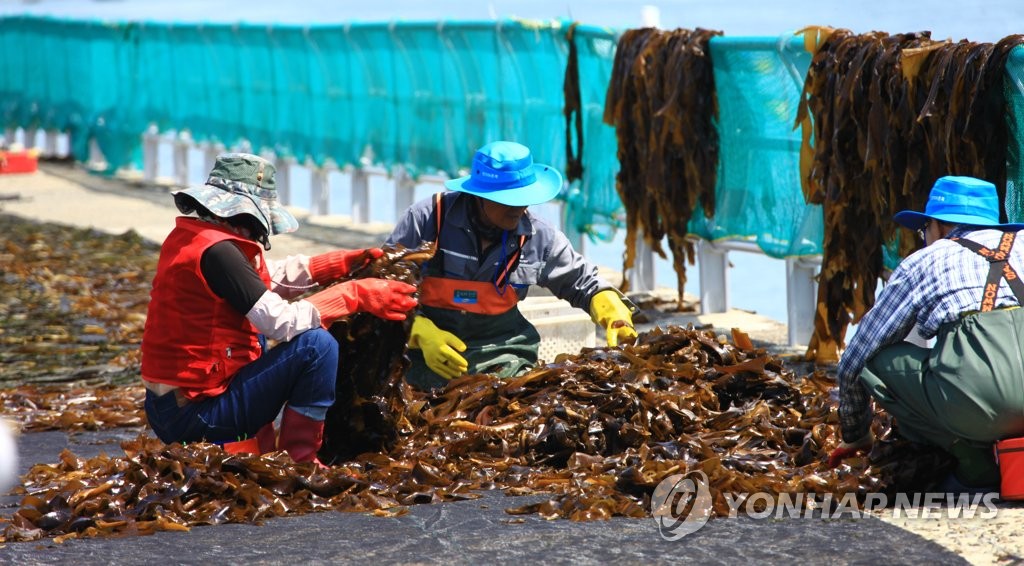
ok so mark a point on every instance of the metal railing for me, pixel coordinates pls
(712, 262)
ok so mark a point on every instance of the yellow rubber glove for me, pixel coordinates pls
(608, 310)
(440, 348)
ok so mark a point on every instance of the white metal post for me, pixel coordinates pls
(575, 237)
(50, 143)
(405, 191)
(801, 299)
(284, 184)
(641, 275)
(150, 153)
(96, 158)
(181, 146)
(360, 196)
(320, 191)
(30, 137)
(650, 16)
(210, 153)
(714, 278)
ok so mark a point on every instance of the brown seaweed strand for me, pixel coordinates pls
(621, 98)
(662, 101)
(889, 115)
(573, 109)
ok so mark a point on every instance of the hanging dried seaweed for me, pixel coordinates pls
(573, 109)
(598, 431)
(883, 117)
(372, 364)
(661, 100)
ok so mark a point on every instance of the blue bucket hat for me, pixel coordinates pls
(504, 172)
(958, 200)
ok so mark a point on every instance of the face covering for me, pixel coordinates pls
(480, 226)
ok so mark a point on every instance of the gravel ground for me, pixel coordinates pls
(993, 539)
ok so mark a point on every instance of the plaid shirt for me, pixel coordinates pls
(931, 287)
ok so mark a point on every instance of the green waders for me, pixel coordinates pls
(963, 394)
(505, 345)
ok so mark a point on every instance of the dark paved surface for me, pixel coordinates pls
(465, 532)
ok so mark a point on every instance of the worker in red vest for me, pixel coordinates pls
(216, 300)
(490, 250)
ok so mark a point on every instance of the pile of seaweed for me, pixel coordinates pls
(371, 365)
(883, 117)
(661, 100)
(596, 431)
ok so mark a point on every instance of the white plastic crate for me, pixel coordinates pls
(563, 329)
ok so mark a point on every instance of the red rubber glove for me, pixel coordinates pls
(850, 449)
(382, 298)
(331, 266)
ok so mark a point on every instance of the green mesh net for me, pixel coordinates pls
(1014, 89)
(758, 195)
(422, 95)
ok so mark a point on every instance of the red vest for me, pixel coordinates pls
(194, 339)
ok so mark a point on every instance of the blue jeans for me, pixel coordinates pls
(300, 372)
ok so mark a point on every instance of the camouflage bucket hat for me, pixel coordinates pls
(241, 183)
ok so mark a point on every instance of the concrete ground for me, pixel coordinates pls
(469, 531)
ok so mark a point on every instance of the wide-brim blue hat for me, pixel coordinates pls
(504, 172)
(959, 200)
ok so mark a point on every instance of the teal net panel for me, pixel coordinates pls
(422, 96)
(1014, 89)
(594, 206)
(74, 77)
(430, 98)
(758, 194)
(419, 95)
